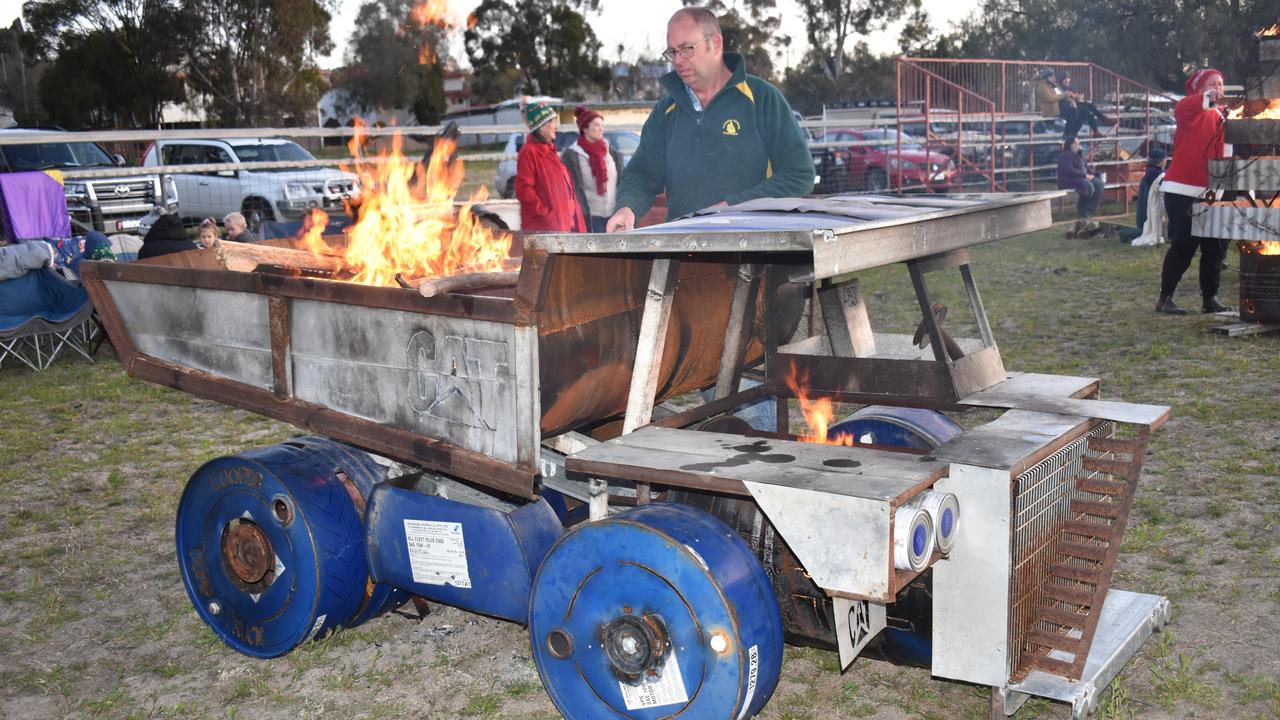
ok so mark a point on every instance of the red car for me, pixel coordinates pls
(878, 163)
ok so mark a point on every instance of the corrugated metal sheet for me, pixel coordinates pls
(1261, 173)
(1232, 222)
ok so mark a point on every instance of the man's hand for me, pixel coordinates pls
(624, 219)
(722, 203)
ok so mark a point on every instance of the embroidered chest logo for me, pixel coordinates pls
(731, 127)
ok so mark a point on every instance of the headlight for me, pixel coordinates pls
(170, 191)
(908, 165)
(75, 190)
(296, 190)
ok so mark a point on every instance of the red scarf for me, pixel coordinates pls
(596, 152)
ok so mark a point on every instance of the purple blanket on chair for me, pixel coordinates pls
(34, 207)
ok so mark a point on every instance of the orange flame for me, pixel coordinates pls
(817, 413)
(407, 221)
(1272, 31)
(431, 13)
(1270, 112)
(1261, 247)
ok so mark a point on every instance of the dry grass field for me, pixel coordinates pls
(94, 621)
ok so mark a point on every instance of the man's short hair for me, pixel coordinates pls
(705, 19)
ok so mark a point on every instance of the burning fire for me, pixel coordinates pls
(1270, 112)
(407, 221)
(817, 413)
(1272, 31)
(1261, 247)
(431, 13)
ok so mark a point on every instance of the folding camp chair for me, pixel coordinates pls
(41, 315)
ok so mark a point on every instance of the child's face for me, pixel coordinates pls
(208, 236)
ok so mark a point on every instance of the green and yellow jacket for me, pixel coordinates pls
(745, 144)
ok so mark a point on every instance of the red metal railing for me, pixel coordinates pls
(983, 113)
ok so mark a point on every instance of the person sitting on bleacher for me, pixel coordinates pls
(1075, 174)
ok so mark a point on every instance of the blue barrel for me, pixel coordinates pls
(271, 544)
(898, 427)
(659, 611)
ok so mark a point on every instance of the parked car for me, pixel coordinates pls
(625, 141)
(1035, 143)
(111, 204)
(263, 195)
(878, 167)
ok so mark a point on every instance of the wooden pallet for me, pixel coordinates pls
(1066, 617)
(1239, 329)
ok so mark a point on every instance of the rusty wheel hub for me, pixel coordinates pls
(247, 551)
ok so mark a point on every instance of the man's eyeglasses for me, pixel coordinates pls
(684, 51)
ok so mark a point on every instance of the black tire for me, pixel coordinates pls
(877, 181)
(509, 192)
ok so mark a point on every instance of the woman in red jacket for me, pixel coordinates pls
(1197, 140)
(547, 199)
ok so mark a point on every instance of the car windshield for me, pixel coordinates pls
(274, 152)
(45, 156)
(887, 140)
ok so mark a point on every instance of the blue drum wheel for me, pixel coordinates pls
(915, 428)
(271, 544)
(659, 611)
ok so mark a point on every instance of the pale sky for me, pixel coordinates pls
(640, 26)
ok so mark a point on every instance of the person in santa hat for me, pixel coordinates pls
(1196, 141)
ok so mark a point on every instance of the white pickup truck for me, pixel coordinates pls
(263, 195)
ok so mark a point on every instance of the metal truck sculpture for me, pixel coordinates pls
(492, 444)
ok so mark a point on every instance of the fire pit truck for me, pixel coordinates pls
(492, 443)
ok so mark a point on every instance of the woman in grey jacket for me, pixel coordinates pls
(594, 167)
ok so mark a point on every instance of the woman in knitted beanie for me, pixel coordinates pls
(546, 194)
(1196, 141)
(594, 167)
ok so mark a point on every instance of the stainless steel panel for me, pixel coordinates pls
(1232, 222)
(971, 585)
(452, 379)
(220, 332)
(877, 244)
(1128, 619)
(842, 542)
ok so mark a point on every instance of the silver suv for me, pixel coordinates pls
(263, 195)
(110, 205)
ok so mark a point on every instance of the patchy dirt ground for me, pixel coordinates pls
(94, 621)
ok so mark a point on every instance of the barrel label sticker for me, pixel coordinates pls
(316, 628)
(666, 689)
(753, 674)
(437, 553)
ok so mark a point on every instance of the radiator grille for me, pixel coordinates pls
(1041, 504)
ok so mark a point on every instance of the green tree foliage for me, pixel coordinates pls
(532, 46)
(114, 62)
(385, 67)
(19, 75)
(254, 61)
(866, 75)
(1152, 41)
(830, 23)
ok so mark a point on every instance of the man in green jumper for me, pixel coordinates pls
(719, 137)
